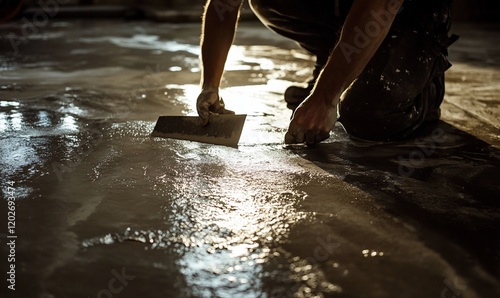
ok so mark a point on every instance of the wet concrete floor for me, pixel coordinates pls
(102, 210)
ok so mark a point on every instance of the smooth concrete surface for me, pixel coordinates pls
(102, 210)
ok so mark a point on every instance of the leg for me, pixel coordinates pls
(403, 85)
(314, 24)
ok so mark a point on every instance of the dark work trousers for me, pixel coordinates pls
(402, 87)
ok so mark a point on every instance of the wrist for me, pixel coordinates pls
(326, 94)
(328, 87)
(209, 88)
(208, 82)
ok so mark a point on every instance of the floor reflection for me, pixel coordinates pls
(342, 219)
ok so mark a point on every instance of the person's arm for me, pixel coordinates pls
(219, 25)
(316, 116)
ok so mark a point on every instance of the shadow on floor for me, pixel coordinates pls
(443, 180)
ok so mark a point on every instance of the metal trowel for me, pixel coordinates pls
(222, 130)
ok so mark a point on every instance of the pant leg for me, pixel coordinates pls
(403, 85)
(314, 24)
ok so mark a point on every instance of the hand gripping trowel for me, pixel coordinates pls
(221, 130)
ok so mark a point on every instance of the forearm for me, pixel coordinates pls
(218, 29)
(368, 20)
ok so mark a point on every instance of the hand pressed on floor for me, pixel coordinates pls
(312, 122)
(209, 102)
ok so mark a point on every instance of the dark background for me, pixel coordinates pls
(464, 10)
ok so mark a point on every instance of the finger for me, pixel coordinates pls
(203, 120)
(204, 117)
(202, 109)
(219, 107)
(225, 111)
(316, 136)
(289, 138)
(294, 135)
(311, 136)
(203, 106)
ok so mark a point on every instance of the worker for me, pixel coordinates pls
(379, 67)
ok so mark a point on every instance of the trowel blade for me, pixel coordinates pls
(222, 129)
